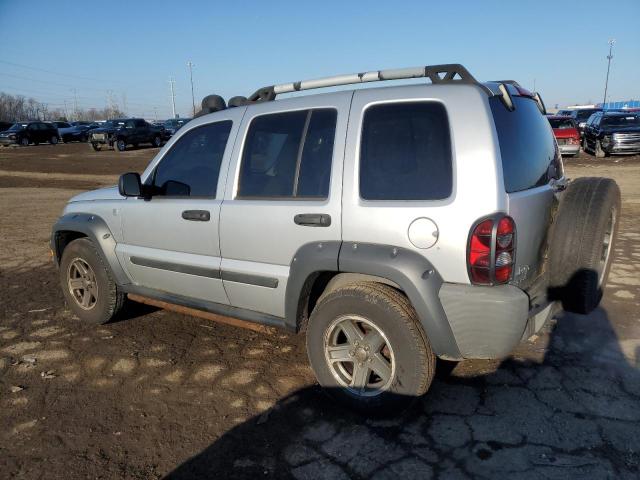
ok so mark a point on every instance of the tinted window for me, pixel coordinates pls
(278, 162)
(192, 165)
(140, 123)
(315, 166)
(527, 146)
(405, 152)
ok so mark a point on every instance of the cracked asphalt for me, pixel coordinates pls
(159, 394)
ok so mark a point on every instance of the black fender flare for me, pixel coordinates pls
(412, 272)
(96, 229)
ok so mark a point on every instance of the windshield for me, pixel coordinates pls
(178, 122)
(113, 124)
(561, 123)
(18, 126)
(619, 121)
(583, 115)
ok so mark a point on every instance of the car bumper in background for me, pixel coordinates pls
(624, 143)
(569, 149)
(8, 141)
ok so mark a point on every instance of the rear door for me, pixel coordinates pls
(170, 241)
(531, 164)
(287, 162)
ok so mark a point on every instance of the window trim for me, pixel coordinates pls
(152, 175)
(303, 139)
(397, 202)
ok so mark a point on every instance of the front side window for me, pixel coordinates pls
(288, 155)
(192, 166)
(405, 152)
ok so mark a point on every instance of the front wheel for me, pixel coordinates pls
(53, 140)
(120, 145)
(88, 287)
(24, 142)
(367, 348)
(157, 142)
(600, 153)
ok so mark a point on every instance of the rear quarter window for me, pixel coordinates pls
(530, 156)
(405, 152)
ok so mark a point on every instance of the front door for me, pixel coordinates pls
(284, 191)
(170, 241)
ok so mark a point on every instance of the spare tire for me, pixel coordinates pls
(581, 242)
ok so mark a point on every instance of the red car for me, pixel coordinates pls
(567, 134)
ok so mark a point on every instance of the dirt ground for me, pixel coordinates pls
(161, 394)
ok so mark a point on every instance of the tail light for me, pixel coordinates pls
(491, 251)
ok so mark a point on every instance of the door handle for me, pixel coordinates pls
(197, 215)
(312, 219)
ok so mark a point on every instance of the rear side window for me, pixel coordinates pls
(192, 166)
(288, 155)
(530, 157)
(405, 152)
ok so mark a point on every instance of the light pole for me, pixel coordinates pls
(173, 97)
(606, 83)
(190, 64)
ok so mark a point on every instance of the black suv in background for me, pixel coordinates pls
(579, 115)
(120, 133)
(174, 124)
(25, 133)
(612, 132)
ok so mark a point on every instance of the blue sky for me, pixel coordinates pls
(48, 49)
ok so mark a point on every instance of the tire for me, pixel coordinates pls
(582, 239)
(84, 139)
(409, 360)
(120, 146)
(96, 147)
(157, 142)
(105, 301)
(24, 142)
(599, 152)
(53, 140)
(585, 147)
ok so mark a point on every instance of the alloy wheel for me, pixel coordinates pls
(359, 355)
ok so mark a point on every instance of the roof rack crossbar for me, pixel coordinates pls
(438, 74)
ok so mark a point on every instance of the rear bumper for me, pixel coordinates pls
(569, 149)
(488, 322)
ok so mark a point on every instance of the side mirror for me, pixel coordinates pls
(130, 185)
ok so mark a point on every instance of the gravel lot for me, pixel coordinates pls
(161, 394)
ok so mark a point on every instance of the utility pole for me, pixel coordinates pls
(173, 96)
(606, 83)
(190, 64)
(75, 103)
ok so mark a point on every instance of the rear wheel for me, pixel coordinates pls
(157, 142)
(582, 240)
(24, 142)
(88, 287)
(53, 140)
(367, 349)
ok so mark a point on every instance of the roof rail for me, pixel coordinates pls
(438, 74)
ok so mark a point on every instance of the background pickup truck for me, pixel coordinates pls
(121, 133)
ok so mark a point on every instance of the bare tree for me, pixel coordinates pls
(16, 108)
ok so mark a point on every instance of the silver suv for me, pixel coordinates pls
(393, 225)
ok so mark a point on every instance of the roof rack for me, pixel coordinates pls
(438, 74)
